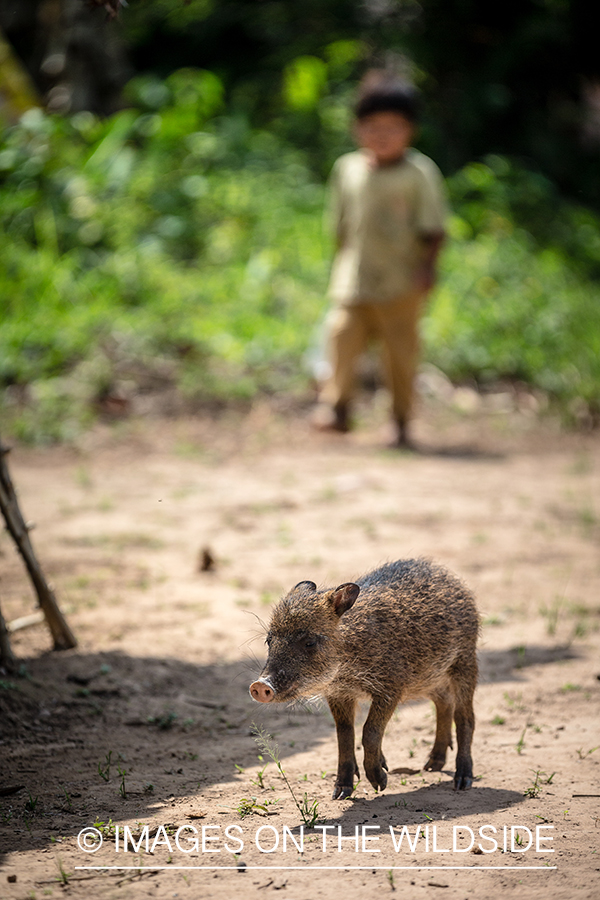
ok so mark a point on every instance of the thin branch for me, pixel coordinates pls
(62, 635)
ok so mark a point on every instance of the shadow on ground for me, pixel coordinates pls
(506, 665)
(424, 805)
(84, 735)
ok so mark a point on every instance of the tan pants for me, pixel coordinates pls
(396, 325)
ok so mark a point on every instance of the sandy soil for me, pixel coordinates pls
(149, 723)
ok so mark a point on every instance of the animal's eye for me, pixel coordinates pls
(268, 640)
(311, 643)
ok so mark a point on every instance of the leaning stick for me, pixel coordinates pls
(25, 621)
(62, 635)
(7, 659)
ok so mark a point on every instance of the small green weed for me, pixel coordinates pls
(165, 721)
(107, 829)
(63, 876)
(122, 790)
(514, 703)
(31, 804)
(104, 769)
(249, 805)
(551, 613)
(493, 620)
(583, 754)
(521, 741)
(309, 810)
(259, 781)
(533, 790)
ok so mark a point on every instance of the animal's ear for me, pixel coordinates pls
(307, 585)
(343, 597)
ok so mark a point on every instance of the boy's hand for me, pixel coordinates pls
(425, 278)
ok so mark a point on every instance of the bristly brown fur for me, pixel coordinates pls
(411, 632)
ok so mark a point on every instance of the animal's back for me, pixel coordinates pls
(411, 622)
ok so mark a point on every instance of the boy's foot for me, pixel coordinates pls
(402, 440)
(327, 418)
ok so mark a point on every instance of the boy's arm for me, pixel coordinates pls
(432, 213)
(432, 243)
(335, 208)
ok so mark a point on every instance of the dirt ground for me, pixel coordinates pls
(148, 722)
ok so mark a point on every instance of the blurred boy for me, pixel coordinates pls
(389, 208)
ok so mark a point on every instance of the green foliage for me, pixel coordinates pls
(517, 301)
(174, 245)
(156, 246)
(304, 82)
(518, 78)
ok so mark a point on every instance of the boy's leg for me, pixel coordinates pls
(348, 335)
(398, 329)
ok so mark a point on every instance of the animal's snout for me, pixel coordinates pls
(261, 691)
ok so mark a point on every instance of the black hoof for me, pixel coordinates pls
(462, 782)
(435, 763)
(342, 791)
(378, 780)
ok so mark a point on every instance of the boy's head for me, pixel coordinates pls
(386, 113)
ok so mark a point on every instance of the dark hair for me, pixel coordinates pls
(381, 91)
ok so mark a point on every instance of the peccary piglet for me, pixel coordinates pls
(407, 630)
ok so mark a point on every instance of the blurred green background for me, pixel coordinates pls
(162, 192)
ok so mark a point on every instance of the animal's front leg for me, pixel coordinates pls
(375, 763)
(343, 712)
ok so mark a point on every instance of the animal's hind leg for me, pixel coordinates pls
(465, 722)
(444, 708)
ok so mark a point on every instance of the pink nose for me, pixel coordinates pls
(261, 692)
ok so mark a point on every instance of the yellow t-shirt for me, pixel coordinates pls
(380, 216)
